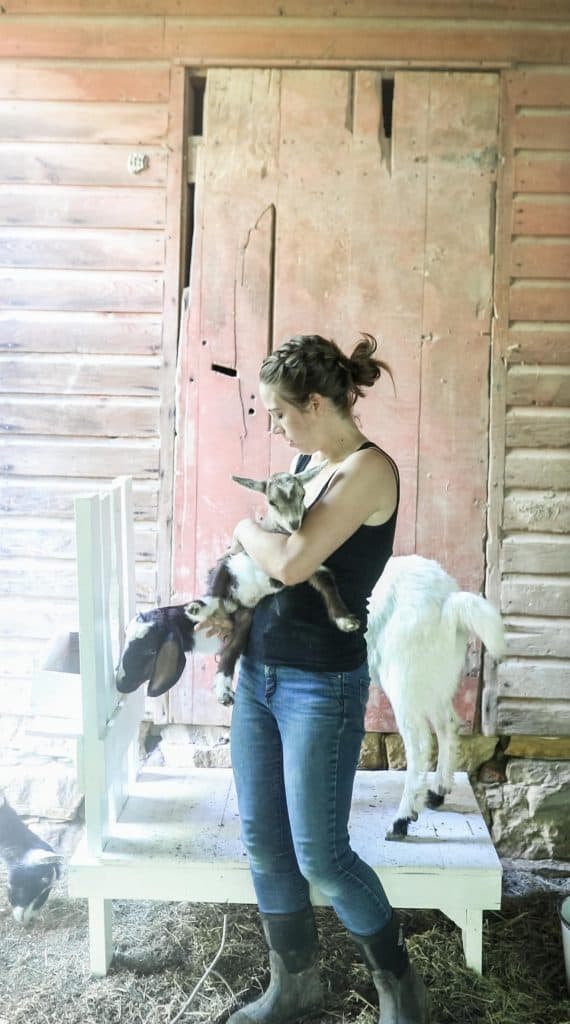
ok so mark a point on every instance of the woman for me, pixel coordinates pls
(298, 718)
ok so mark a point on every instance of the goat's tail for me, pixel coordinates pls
(475, 614)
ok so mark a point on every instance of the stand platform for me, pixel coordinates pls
(177, 838)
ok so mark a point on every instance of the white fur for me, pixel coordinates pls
(418, 628)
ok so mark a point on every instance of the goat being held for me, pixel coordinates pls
(156, 640)
(33, 866)
(418, 627)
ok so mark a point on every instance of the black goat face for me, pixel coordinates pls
(29, 886)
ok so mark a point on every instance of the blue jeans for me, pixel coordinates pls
(295, 741)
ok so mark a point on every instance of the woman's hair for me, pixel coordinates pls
(307, 364)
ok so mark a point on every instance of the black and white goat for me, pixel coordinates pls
(156, 641)
(418, 627)
(33, 866)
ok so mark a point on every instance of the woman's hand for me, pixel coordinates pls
(217, 624)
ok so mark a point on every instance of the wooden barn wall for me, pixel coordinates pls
(89, 269)
(529, 549)
(83, 262)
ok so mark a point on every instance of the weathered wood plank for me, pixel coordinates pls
(75, 249)
(533, 595)
(482, 9)
(535, 553)
(106, 459)
(540, 300)
(544, 678)
(227, 325)
(90, 416)
(544, 129)
(36, 619)
(538, 469)
(55, 498)
(533, 637)
(539, 385)
(131, 123)
(537, 428)
(540, 257)
(538, 343)
(94, 291)
(19, 661)
(542, 172)
(99, 83)
(533, 717)
(456, 324)
(541, 215)
(53, 538)
(50, 163)
(80, 333)
(538, 87)
(56, 578)
(94, 375)
(176, 261)
(88, 207)
(497, 406)
(546, 511)
(83, 38)
(272, 39)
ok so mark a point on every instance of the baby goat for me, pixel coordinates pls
(156, 640)
(237, 583)
(418, 627)
(33, 866)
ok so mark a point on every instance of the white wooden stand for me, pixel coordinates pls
(173, 834)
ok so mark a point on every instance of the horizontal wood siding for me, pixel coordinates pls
(530, 691)
(82, 262)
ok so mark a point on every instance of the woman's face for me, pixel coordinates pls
(296, 426)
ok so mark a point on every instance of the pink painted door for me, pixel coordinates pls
(317, 211)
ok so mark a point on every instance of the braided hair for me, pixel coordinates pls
(308, 364)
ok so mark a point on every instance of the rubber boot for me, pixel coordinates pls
(401, 992)
(294, 988)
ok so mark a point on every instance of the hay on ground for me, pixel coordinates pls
(164, 949)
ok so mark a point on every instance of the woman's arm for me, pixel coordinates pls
(364, 487)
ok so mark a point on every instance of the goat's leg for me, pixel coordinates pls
(230, 654)
(417, 742)
(324, 582)
(446, 726)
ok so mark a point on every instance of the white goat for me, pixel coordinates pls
(417, 632)
(156, 641)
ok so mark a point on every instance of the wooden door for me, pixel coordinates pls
(318, 211)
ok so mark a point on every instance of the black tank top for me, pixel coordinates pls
(292, 627)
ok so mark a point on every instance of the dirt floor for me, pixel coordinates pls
(163, 951)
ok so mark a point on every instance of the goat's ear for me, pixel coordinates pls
(168, 666)
(307, 474)
(254, 485)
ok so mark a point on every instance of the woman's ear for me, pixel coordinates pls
(315, 402)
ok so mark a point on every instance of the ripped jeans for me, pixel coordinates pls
(295, 742)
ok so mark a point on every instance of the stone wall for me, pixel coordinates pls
(522, 783)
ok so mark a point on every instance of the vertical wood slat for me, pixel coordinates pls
(220, 427)
(497, 406)
(456, 324)
(174, 261)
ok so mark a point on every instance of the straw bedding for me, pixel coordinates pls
(163, 951)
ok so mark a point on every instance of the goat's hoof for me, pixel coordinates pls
(223, 690)
(434, 800)
(399, 829)
(348, 623)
